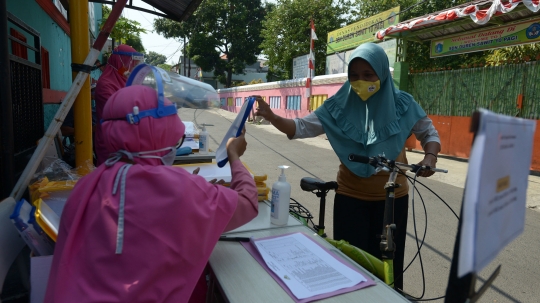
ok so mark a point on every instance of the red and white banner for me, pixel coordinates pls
(479, 16)
(311, 61)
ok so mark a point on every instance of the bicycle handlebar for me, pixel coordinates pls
(359, 158)
(380, 161)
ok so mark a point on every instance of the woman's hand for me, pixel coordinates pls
(213, 181)
(263, 109)
(236, 146)
(429, 160)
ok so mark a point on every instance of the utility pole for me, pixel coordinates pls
(184, 51)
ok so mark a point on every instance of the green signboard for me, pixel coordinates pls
(495, 37)
(363, 31)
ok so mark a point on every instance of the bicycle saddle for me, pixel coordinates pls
(311, 184)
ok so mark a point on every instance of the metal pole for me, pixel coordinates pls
(6, 112)
(184, 51)
(82, 110)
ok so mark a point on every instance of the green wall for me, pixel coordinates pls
(461, 92)
(55, 40)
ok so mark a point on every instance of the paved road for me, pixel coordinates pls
(268, 148)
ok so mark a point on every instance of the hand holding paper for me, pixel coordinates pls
(222, 152)
(236, 146)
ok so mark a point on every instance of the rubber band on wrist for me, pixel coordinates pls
(434, 155)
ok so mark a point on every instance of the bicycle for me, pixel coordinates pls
(381, 268)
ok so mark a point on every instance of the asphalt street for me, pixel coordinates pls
(268, 148)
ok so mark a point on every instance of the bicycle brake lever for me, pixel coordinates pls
(419, 167)
(415, 168)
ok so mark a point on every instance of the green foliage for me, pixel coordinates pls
(136, 43)
(154, 58)
(238, 83)
(275, 75)
(419, 59)
(172, 29)
(409, 8)
(287, 28)
(256, 81)
(124, 29)
(230, 28)
(165, 66)
(418, 52)
(514, 54)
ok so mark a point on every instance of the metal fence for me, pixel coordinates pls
(508, 89)
(25, 107)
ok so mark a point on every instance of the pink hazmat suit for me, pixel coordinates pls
(171, 219)
(110, 82)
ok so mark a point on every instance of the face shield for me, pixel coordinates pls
(183, 91)
(190, 93)
(138, 76)
(135, 60)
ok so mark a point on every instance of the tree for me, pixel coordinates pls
(125, 30)
(136, 43)
(286, 33)
(154, 58)
(418, 53)
(514, 54)
(256, 81)
(165, 66)
(228, 28)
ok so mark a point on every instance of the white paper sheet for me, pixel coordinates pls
(211, 171)
(192, 143)
(191, 129)
(495, 192)
(305, 267)
(237, 124)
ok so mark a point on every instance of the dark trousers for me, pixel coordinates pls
(361, 223)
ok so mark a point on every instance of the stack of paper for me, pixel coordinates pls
(192, 136)
(191, 130)
(305, 269)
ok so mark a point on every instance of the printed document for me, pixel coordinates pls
(305, 267)
(496, 189)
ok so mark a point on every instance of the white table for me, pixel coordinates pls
(240, 278)
(262, 221)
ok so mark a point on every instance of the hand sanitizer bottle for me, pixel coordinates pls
(203, 141)
(281, 195)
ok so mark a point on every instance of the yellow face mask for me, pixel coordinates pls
(365, 89)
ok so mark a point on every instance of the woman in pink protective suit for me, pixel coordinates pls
(121, 62)
(136, 229)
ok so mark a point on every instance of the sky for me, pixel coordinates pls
(153, 41)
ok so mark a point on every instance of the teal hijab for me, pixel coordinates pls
(379, 125)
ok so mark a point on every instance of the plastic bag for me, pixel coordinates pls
(56, 180)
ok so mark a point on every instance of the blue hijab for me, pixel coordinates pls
(379, 125)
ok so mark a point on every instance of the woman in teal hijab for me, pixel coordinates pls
(367, 116)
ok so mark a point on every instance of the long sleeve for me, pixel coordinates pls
(308, 127)
(425, 131)
(248, 205)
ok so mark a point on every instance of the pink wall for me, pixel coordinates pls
(328, 90)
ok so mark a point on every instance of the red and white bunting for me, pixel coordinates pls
(479, 16)
(311, 61)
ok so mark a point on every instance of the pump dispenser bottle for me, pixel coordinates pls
(281, 197)
(203, 141)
